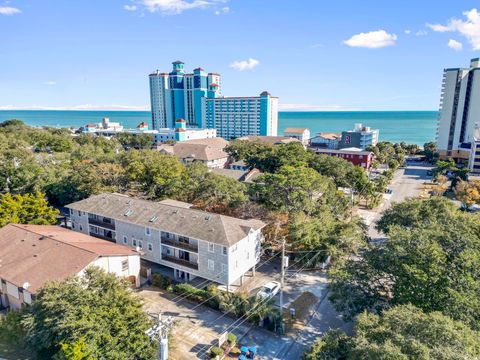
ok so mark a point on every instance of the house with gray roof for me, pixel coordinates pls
(171, 233)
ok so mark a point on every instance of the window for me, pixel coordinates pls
(73, 225)
(211, 265)
(79, 213)
(148, 231)
(211, 247)
(81, 227)
(125, 265)
(248, 255)
(224, 250)
(224, 268)
(125, 240)
(140, 244)
(134, 242)
(150, 247)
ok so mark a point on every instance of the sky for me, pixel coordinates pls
(312, 54)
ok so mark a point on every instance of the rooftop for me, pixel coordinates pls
(35, 254)
(295, 130)
(195, 224)
(274, 140)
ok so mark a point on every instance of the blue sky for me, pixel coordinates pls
(313, 54)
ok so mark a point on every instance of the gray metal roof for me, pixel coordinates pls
(165, 216)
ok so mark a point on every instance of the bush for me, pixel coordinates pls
(191, 292)
(231, 338)
(161, 281)
(215, 351)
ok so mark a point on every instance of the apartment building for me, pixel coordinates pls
(193, 243)
(302, 134)
(354, 155)
(360, 137)
(458, 129)
(32, 255)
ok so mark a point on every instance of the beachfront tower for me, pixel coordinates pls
(458, 130)
(178, 95)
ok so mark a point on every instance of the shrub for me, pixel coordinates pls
(215, 351)
(161, 281)
(191, 292)
(231, 338)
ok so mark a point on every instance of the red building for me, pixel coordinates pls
(353, 155)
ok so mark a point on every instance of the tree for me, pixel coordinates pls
(74, 351)
(26, 209)
(403, 332)
(220, 191)
(96, 315)
(135, 141)
(468, 192)
(431, 261)
(326, 234)
(430, 151)
(292, 189)
(158, 175)
(338, 169)
(417, 213)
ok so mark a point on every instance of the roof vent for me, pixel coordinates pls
(41, 238)
(153, 219)
(208, 217)
(175, 211)
(128, 213)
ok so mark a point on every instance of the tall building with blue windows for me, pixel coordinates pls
(197, 98)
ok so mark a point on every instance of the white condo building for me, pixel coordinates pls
(458, 131)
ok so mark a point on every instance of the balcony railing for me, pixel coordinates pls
(101, 223)
(102, 236)
(178, 261)
(179, 245)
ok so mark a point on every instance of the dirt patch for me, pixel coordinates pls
(303, 306)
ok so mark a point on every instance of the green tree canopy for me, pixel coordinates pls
(403, 332)
(95, 315)
(292, 189)
(26, 209)
(432, 263)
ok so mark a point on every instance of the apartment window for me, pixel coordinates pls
(148, 231)
(81, 227)
(224, 268)
(134, 242)
(73, 225)
(211, 247)
(224, 250)
(125, 240)
(211, 265)
(125, 265)
(79, 213)
(150, 247)
(140, 244)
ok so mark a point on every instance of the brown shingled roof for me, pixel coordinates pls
(40, 253)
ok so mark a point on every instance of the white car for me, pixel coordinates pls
(269, 290)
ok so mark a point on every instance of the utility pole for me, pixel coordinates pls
(282, 283)
(159, 332)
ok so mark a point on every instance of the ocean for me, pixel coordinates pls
(415, 127)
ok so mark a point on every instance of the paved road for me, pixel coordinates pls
(407, 183)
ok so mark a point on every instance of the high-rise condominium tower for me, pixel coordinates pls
(458, 131)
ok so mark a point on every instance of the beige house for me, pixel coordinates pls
(31, 255)
(302, 134)
(209, 151)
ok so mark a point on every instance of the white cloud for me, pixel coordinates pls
(372, 40)
(408, 31)
(455, 45)
(421, 33)
(173, 7)
(245, 64)
(311, 107)
(50, 83)
(468, 28)
(130, 7)
(7, 10)
(224, 10)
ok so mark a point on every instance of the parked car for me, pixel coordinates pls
(269, 290)
(388, 191)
